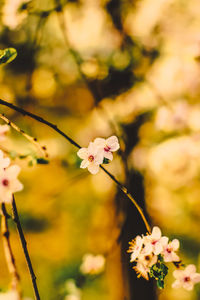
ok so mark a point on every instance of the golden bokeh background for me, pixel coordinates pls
(97, 68)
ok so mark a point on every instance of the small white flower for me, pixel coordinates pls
(3, 130)
(92, 158)
(135, 247)
(9, 183)
(169, 251)
(107, 146)
(186, 278)
(154, 243)
(4, 162)
(144, 263)
(92, 264)
(74, 293)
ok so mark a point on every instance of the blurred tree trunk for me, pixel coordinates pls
(134, 288)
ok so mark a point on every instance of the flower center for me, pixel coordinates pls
(107, 148)
(91, 158)
(187, 278)
(154, 242)
(169, 250)
(5, 182)
(147, 257)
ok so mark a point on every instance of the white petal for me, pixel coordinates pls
(178, 274)
(175, 257)
(195, 278)
(147, 249)
(92, 148)
(5, 162)
(13, 171)
(94, 169)
(1, 154)
(100, 142)
(190, 269)
(188, 285)
(108, 155)
(158, 248)
(164, 240)
(84, 164)
(99, 158)
(111, 140)
(83, 153)
(16, 186)
(175, 244)
(156, 233)
(176, 284)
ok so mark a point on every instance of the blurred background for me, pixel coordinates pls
(97, 68)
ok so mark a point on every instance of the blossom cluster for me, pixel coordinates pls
(151, 251)
(97, 151)
(9, 183)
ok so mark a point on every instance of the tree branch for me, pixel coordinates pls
(9, 253)
(25, 249)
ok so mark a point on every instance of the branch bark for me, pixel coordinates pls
(10, 260)
(25, 249)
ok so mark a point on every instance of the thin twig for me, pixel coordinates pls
(25, 249)
(54, 127)
(31, 139)
(15, 283)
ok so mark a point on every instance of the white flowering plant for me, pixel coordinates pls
(151, 252)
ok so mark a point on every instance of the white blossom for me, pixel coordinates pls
(144, 263)
(169, 249)
(92, 264)
(11, 16)
(92, 158)
(74, 293)
(9, 183)
(3, 130)
(135, 248)
(107, 146)
(186, 278)
(154, 242)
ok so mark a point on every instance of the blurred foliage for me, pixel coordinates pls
(128, 68)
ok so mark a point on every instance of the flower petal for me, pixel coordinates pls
(94, 169)
(100, 142)
(190, 269)
(108, 155)
(176, 284)
(84, 164)
(83, 153)
(156, 233)
(175, 244)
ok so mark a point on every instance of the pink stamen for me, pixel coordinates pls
(187, 278)
(5, 182)
(107, 148)
(91, 158)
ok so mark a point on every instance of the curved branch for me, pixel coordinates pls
(54, 127)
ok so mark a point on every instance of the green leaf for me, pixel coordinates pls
(159, 271)
(42, 161)
(160, 284)
(7, 55)
(106, 161)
